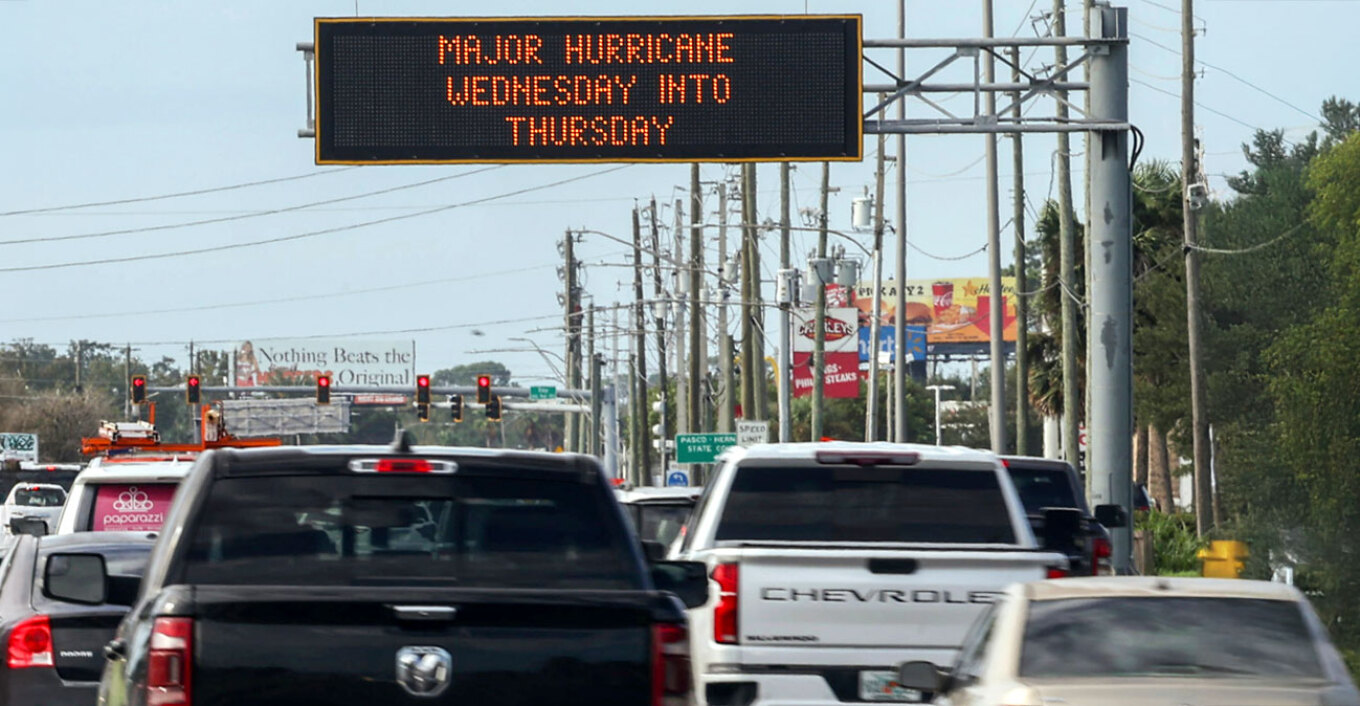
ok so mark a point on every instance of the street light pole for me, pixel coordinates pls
(937, 389)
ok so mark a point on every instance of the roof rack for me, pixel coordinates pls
(120, 438)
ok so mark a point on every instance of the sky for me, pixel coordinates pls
(107, 102)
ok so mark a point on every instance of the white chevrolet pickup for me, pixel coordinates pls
(831, 562)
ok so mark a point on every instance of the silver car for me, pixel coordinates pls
(1143, 640)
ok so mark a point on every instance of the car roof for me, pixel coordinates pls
(1056, 464)
(808, 450)
(33, 486)
(1157, 587)
(172, 470)
(94, 540)
(538, 460)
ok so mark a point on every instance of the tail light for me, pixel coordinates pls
(725, 613)
(169, 667)
(670, 665)
(1057, 572)
(30, 643)
(1101, 551)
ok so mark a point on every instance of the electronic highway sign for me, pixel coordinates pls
(588, 89)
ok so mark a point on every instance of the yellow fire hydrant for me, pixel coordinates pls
(1224, 559)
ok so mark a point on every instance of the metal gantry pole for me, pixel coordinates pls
(1111, 295)
(997, 409)
(900, 305)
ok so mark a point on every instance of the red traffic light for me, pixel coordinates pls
(138, 389)
(483, 389)
(192, 385)
(324, 381)
(323, 389)
(423, 390)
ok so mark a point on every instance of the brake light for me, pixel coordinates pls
(1101, 551)
(868, 458)
(727, 577)
(670, 665)
(402, 465)
(30, 643)
(169, 667)
(1055, 572)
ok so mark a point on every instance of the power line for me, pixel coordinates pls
(309, 234)
(197, 192)
(1145, 84)
(1230, 74)
(284, 300)
(243, 216)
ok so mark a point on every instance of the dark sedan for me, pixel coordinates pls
(56, 647)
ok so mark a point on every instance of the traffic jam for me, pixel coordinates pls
(234, 571)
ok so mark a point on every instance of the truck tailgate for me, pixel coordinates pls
(872, 597)
(289, 646)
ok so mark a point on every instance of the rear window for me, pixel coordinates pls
(136, 507)
(853, 504)
(1201, 637)
(39, 497)
(658, 522)
(1041, 487)
(361, 529)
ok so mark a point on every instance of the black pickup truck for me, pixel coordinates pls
(427, 575)
(1045, 483)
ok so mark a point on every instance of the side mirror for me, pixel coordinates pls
(921, 676)
(75, 578)
(35, 526)
(1062, 525)
(1112, 516)
(686, 579)
(654, 550)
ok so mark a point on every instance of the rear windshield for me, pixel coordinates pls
(39, 497)
(1042, 487)
(660, 523)
(362, 529)
(1119, 637)
(852, 504)
(135, 507)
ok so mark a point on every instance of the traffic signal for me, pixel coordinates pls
(138, 389)
(323, 389)
(192, 387)
(483, 389)
(493, 409)
(456, 407)
(423, 391)
(423, 412)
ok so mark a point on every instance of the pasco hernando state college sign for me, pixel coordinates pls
(583, 89)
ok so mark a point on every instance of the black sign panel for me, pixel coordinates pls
(397, 90)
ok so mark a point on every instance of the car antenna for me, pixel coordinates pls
(401, 443)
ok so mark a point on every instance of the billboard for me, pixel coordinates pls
(841, 376)
(299, 361)
(952, 310)
(588, 89)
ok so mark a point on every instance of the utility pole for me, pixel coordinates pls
(127, 380)
(871, 404)
(641, 437)
(997, 409)
(750, 199)
(193, 359)
(1204, 490)
(80, 365)
(785, 313)
(748, 275)
(678, 304)
(726, 408)
(819, 340)
(698, 356)
(659, 310)
(590, 431)
(1021, 281)
(573, 322)
(1072, 405)
(900, 310)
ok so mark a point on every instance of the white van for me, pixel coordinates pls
(123, 493)
(33, 501)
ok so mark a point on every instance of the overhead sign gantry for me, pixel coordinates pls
(585, 89)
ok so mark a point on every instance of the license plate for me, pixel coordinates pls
(883, 686)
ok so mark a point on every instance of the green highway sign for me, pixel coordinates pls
(542, 392)
(702, 448)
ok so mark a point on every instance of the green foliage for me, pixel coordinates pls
(1174, 543)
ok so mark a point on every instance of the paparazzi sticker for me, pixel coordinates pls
(137, 508)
